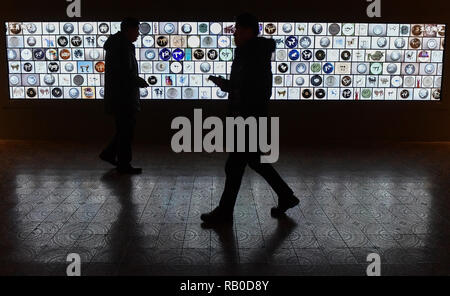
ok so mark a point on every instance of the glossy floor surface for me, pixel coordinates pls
(390, 199)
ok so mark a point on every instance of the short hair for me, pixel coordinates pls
(248, 20)
(128, 23)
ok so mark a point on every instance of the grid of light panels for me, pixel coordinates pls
(312, 61)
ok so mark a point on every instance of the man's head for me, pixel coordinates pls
(247, 27)
(130, 27)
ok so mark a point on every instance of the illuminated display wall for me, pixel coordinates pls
(313, 61)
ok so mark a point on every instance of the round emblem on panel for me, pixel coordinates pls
(376, 68)
(49, 79)
(427, 81)
(348, 29)
(429, 68)
(76, 40)
(149, 54)
(305, 42)
(162, 41)
(226, 54)
(88, 28)
(391, 68)
(31, 28)
(212, 54)
(176, 67)
(294, 54)
(299, 81)
(69, 67)
(320, 54)
(100, 67)
(346, 80)
(346, 93)
(205, 67)
(287, 28)
(172, 93)
(306, 55)
(283, 67)
(325, 42)
(330, 81)
(404, 94)
(64, 54)
(366, 93)
(361, 68)
(320, 93)
(399, 42)
(152, 80)
(301, 68)
(281, 54)
(432, 44)
(377, 30)
(38, 54)
(27, 67)
(68, 28)
(345, 55)
(193, 41)
(224, 41)
(50, 28)
(143, 92)
(270, 28)
(410, 69)
(31, 80)
(396, 81)
(203, 28)
(51, 54)
(328, 68)
(169, 28)
(14, 80)
(396, 55)
(317, 28)
(291, 41)
(103, 28)
(382, 42)
(416, 30)
(186, 28)
(423, 93)
(15, 28)
(404, 30)
(31, 41)
(78, 80)
(144, 28)
(221, 94)
(437, 94)
(56, 92)
(12, 54)
(94, 54)
(316, 80)
(306, 93)
(178, 54)
(74, 93)
(53, 67)
(31, 92)
(188, 93)
(334, 29)
(315, 67)
(415, 43)
(215, 28)
(199, 54)
(148, 41)
(62, 41)
(164, 54)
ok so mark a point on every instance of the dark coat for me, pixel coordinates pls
(250, 83)
(121, 75)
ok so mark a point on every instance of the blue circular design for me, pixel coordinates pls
(291, 41)
(164, 54)
(178, 54)
(328, 68)
(294, 54)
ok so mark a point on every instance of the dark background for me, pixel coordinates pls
(300, 122)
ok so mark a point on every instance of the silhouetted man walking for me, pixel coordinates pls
(122, 84)
(249, 88)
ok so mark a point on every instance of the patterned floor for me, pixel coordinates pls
(58, 198)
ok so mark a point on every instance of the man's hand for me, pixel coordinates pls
(217, 80)
(142, 83)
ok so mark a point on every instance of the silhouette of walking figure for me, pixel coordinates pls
(249, 88)
(121, 98)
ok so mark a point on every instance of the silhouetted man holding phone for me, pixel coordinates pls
(249, 88)
(122, 96)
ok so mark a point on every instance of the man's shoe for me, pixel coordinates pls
(283, 205)
(108, 159)
(129, 170)
(217, 216)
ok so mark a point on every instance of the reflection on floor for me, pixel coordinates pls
(390, 199)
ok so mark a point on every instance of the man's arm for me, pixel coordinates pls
(223, 83)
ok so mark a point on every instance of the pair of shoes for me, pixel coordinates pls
(103, 156)
(283, 205)
(217, 216)
(129, 170)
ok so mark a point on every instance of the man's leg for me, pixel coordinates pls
(234, 170)
(109, 154)
(125, 124)
(286, 198)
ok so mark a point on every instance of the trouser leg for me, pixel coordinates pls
(234, 170)
(125, 131)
